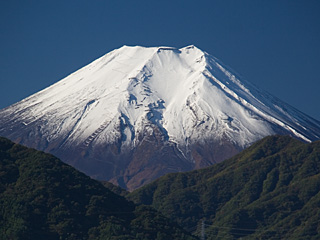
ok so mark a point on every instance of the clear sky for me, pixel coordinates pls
(274, 44)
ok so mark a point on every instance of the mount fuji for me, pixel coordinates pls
(138, 113)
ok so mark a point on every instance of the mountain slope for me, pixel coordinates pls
(43, 198)
(138, 113)
(269, 191)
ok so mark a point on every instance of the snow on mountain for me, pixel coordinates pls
(184, 98)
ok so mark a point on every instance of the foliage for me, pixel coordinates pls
(114, 188)
(43, 198)
(270, 190)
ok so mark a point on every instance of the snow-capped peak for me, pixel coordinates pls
(186, 92)
(183, 98)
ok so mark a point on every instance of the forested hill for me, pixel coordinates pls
(43, 198)
(268, 191)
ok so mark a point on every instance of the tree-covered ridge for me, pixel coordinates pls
(114, 188)
(268, 191)
(43, 198)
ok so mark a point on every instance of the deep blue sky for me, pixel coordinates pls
(274, 44)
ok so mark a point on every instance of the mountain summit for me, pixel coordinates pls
(137, 113)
